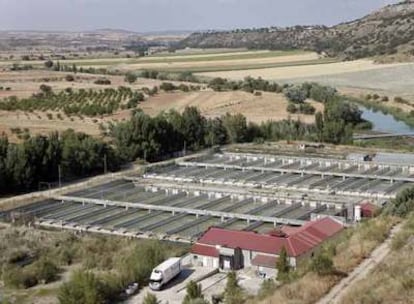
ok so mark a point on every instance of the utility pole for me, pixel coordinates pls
(60, 176)
(105, 165)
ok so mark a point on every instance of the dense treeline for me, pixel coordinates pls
(23, 166)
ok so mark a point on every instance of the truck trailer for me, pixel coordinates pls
(164, 273)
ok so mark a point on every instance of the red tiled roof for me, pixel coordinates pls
(264, 261)
(368, 209)
(204, 250)
(298, 242)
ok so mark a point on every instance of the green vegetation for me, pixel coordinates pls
(23, 166)
(403, 204)
(131, 78)
(233, 293)
(194, 294)
(322, 264)
(150, 299)
(102, 81)
(103, 266)
(393, 278)
(85, 102)
(283, 266)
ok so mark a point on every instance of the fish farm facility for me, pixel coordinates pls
(180, 199)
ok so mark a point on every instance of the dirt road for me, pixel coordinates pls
(359, 273)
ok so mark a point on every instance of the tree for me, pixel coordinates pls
(233, 293)
(49, 64)
(150, 299)
(283, 265)
(403, 204)
(322, 264)
(167, 86)
(70, 78)
(130, 77)
(291, 108)
(295, 94)
(45, 89)
(236, 126)
(319, 125)
(193, 292)
(83, 288)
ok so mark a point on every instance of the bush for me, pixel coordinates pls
(167, 86)
(150, 299)
(307, 109)
(403, 204)
(130, 77)
(83, 287)
(102, 81)
(46, 271)
(295, 94)
(322, 264)
(291, 108)
(18, 277)
(70, 78)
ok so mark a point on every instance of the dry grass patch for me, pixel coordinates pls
(348, 250)
(301, 71)
(269, 106)
(392, 281)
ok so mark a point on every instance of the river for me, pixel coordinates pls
(385, 123)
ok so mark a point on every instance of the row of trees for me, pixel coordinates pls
(86, 102)
(23, 166)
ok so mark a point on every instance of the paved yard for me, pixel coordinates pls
(174, 292)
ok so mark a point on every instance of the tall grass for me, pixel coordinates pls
(393, 280)
(348, 250)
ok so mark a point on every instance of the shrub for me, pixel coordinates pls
(167, 86)
(46, 271)
(322, 264)
(130, 77)
(18, 277)
(83, 287)
(291, 108)
(307, 109)
(70, 78)
(102, 81)
(150, 299)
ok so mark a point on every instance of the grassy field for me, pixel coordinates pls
(392, 281)
(213, 104)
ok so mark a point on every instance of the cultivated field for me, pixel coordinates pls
(25, 83)
(360, 75)
(213, 104)
(195, 61)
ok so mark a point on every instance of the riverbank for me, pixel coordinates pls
(390, 119)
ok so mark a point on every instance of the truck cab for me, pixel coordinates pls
(164, 273)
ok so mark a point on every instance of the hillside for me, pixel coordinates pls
(387, 31)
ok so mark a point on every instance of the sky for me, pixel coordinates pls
(156, 15)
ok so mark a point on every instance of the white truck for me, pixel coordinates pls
(164, 273)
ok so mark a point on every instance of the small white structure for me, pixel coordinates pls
(357, 213)
(164, 273)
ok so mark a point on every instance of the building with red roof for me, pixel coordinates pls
(231, 249)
